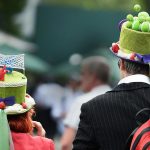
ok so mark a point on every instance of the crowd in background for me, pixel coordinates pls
(58, 105)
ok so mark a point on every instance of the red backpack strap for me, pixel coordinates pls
(140, 135)
(147, 145)
(139, 117)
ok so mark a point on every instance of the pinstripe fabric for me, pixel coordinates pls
(107, 120)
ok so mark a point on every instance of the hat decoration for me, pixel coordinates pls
(13, 97)
(134, 41)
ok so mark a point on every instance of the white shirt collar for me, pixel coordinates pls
(135, 78)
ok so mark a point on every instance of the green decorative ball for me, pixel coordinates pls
(135, 25)
(148, 19)
(129, 24)
(135, 18)
(141, 19)
(145, 27)
(140, 27)
(143, 14)
(137, 7)
(129, 17)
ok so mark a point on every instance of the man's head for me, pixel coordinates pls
(131, 68)
(94, 71)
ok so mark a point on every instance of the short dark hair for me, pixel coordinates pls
(97, 65)
(136, 68)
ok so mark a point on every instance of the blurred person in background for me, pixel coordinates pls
(48, 96)
(71, 91)
(95, 74)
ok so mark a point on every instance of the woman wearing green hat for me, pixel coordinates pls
(16, 109)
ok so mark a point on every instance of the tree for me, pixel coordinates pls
(8, 10)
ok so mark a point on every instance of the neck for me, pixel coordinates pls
(124, 74)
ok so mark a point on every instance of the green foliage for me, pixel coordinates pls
(99, 4)
(8, 9)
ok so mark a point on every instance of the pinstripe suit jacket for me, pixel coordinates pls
(107, 120)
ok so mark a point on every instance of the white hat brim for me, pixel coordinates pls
(18, 108)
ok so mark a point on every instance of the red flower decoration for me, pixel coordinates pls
(115, 47)
(24, 105)
(2, 105)
(3, 71)
(132, 57)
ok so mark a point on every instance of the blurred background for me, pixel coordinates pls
(55, 35)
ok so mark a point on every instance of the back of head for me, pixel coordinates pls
(136, 68)
(21, 123)
(98, 66)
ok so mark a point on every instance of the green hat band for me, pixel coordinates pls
(18, 92)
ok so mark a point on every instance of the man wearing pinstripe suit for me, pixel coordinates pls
(107, 120)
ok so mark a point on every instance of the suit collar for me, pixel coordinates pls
(130, 86)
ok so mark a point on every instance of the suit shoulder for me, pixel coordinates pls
(99, 101)
(99, 98)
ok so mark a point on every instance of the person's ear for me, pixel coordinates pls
(122, 64)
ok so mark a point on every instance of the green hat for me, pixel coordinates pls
(134, 41)
(13, 97)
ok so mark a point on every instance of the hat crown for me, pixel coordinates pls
(134, 41)
(14, 85)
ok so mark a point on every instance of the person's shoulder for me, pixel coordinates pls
(100, 99)
(45, 142)
(27, 139)
(49, 142)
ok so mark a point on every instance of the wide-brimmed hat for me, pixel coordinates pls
(134, 41)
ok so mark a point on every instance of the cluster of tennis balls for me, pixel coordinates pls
(139, 23)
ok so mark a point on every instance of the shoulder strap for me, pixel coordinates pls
(129, 140)
(146, 146)
(139, 137)
(138, 115)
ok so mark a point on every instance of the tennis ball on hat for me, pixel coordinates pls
(129, 24)
(129, 17)
(142, 19)
(137, 7)
(145, 27)
(143, 14)
(148, 19)
(136, 25)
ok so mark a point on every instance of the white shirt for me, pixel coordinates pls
(73, 117)
(135, 78)
(49, 95)
(69, 96)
